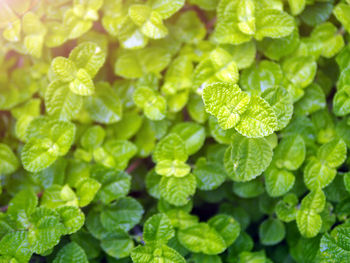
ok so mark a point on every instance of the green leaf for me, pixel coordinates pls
(286, 208)
(210, 175)
(15, 245)
(260, 77)
(296, 6)
(290, 152)
(166, 8)
(72, 218)
(335, 247)
(45, 231)
(124, 214)
(64, 69)
(114, 184)
(38, 154)
(226, 226)
(341, 11)
(154, 105)
(278, 181)
(156, 253)
(178, 190)
(309, 222)
(115, 153)
(192, 134)
(71, 252)
(117, 244)
(249, 189)
(300, 70)
(318, 174)
(281, 102)
(82, 84)
(247, 158)
(271, 232)
(277, 48)
(333, 153)
(171, 147)
(105, 105)
(313, 100)
(341, 101)
(202, 238)
(259, 120)
(314, 201)
(226, 102)
(9, 161)
(23, 204)
(87, 190)
(158, 228)
(88, 56)
(273, 23)
(61, 103)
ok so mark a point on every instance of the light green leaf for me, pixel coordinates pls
(333, 153)
(64, 69)
(61, 102)
(9, 161)
(156, 253)
(38, 154)
(341, 11)
(166, 8)
(88, 56)
(335, 247)
(226, 102)
(171, 147)
(271, 232)
(158, 228)
(82, 84)
(314, 201)
(202, 238)
(247, 158)
(87, 190)
(192, 134)
(172, 168)
(45, 231)
(300, 70)
(318, 174)
(259, 120)
(296, 6)
(341, 101)
(72, 218)
(71, 252)
(309, 222)
(15, 246)
(281, 102)
(273, 23)
(178, 190)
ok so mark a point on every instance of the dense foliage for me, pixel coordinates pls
(173, 131)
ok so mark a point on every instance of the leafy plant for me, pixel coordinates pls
(174, 131)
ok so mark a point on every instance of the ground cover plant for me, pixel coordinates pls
(173, 131)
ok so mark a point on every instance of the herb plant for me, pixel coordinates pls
(173, 131)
